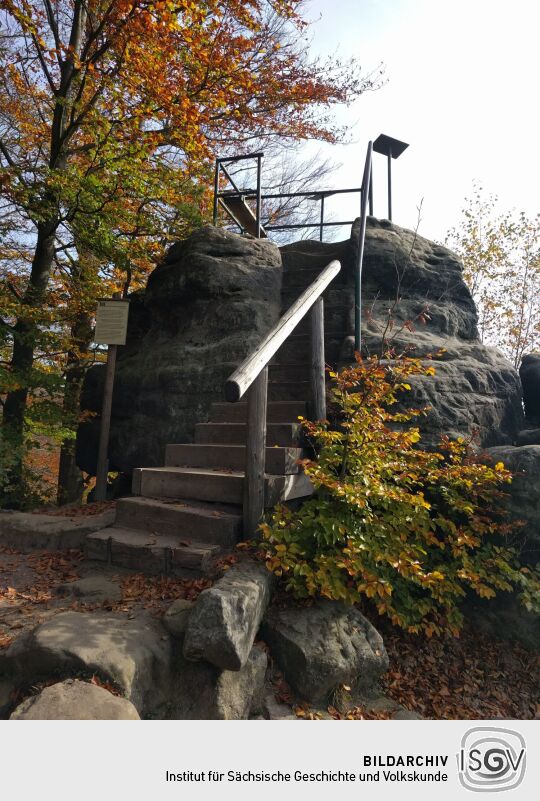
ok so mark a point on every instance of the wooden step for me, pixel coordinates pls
(290, 371)
(278, 412)
(288, 390)
(333, 296)
(238, 208)
(336, 319)
(284, 434)
(195, 521)
(195, 483)
(150, 553)
(279, 461)
(297, 348)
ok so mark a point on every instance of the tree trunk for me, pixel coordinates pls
(26, 333)
(70, 480)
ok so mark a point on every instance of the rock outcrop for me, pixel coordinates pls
(75, 700)
(324, 646)
(529, 372)
(217, 293)
(227, 616)
(204, 692)
(416, 301)
(205, 308)
(523, 495)
(131, 654)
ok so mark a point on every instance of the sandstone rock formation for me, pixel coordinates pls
(227, 616)
(415, 300)
(321, 647)
(205, 307)
(131, 654)
(217, 293)
(75, 700)
(524, 495)
(529, 372)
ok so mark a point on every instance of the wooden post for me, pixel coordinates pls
(103, 460)
(102, 468)
(255, 454)
(318, 384)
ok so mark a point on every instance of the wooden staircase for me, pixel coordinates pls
(185, 515)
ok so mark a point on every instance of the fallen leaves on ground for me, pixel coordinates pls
(84, 510)
(471, 677)
(152, 591)
(28, 584)
(359, 713)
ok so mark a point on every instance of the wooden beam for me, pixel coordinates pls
(245, 375)
(318, 384)
(255, 454)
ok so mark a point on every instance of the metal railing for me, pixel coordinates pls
(252, 374)
(221, 196)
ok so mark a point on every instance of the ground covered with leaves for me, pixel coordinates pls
(469, 677)
(472, 676)
(29, 589)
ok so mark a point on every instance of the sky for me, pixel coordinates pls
(462, 88)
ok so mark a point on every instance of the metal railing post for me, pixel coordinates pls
(321, 224)
(318, 384)
(390, 183)
(254, 483)
(216, 190)
(360, 252)
(258, 212)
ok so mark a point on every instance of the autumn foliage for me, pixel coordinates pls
(410, 530)
(110, 116)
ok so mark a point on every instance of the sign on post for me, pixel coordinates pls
(111, 322)
(111, 330)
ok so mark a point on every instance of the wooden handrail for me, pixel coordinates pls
(253, 375)
(245, 375)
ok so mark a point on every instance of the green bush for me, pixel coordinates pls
(409, 529)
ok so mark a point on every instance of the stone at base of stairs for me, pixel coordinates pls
(27, 531)
(151, 553)
(212, 523)
(214, 485)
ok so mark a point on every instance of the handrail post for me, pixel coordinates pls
(255, 454)
(216, 190)
(318, 384)
(259, 200)
(321, 222)
(360, 252)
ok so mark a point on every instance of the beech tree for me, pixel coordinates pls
(111, 113)
(501, 257)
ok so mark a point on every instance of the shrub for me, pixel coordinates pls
(409, 529)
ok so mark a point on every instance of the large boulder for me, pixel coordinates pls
(505, 618)
(92, 590)
(75, 700)
(319, 648)
(529, 372)
(204, 309)
(204, 692)
(176, 617)
(134, 655)
(226, 617)
(524, 494)
(416, 301)
(215, 296)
